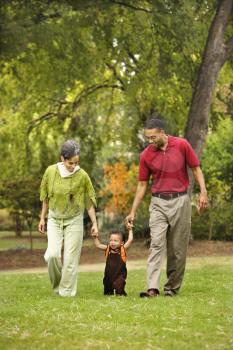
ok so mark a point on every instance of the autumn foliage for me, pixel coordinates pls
(120, 184)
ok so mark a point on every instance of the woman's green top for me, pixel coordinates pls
(67, 196)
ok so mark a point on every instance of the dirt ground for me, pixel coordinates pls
(23, 258)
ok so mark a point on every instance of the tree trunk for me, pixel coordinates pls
(215, 55)
(18, 223)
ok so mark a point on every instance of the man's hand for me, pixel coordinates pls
(202, 202)
(129, 221)
(94, 230)
(41, 226)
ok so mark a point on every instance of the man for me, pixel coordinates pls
(166, 160)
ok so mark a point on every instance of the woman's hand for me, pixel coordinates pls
(41, 226)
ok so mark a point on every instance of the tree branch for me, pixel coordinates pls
(90, 90)
(114, 2)
(113, 69)
(83, 94)
(36, 122)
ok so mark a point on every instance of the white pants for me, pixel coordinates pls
(63, 277)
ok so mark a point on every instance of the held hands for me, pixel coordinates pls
(129, 221)
(94, 230)
(202, 202)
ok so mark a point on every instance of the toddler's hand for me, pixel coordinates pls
(94, 234)
(129, 225)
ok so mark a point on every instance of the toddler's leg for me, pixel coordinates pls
(119, 285)
(108, 287)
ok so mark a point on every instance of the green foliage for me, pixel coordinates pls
(201, 316)
(217, 164)
(94, 71)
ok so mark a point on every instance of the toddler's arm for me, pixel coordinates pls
(98, 244)
(130, 239)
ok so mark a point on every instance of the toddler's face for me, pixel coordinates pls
(115, 241)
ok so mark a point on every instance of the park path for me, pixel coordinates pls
(192, 262)
(99, 267)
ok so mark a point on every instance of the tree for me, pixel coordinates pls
(217, 52)
(94, 71)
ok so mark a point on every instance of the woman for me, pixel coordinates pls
(66, 190)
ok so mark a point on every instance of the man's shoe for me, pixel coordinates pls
(151, 293)
(169, 293)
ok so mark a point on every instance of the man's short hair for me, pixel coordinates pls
(155, 124)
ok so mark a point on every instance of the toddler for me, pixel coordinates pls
(115, 270)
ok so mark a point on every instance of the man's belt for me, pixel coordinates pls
(168, 196)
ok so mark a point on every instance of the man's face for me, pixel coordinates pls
(71, 163)
(156, 137)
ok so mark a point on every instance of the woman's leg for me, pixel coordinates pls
(73, 238)
(53, 252)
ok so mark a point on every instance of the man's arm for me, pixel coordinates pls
(140, 193)
(203, 198)
(129, 240)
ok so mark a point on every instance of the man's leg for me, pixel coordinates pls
(177, 243)
(73, 238)
(53, 252)
(158, 228)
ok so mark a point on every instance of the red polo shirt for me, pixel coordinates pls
(168, 168)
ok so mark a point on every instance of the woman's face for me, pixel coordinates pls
(71, 163)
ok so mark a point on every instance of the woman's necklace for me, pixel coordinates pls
(71, 196)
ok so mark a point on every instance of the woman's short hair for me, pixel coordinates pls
(70, 149)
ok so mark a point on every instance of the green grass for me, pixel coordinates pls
(9, 241)
(201, 317)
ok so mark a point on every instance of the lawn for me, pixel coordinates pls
(201, 317)
(8, 240)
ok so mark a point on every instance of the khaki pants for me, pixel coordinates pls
(63, 277)
(170, 222)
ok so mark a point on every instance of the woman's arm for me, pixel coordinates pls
(92, 215)
(44, 210)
